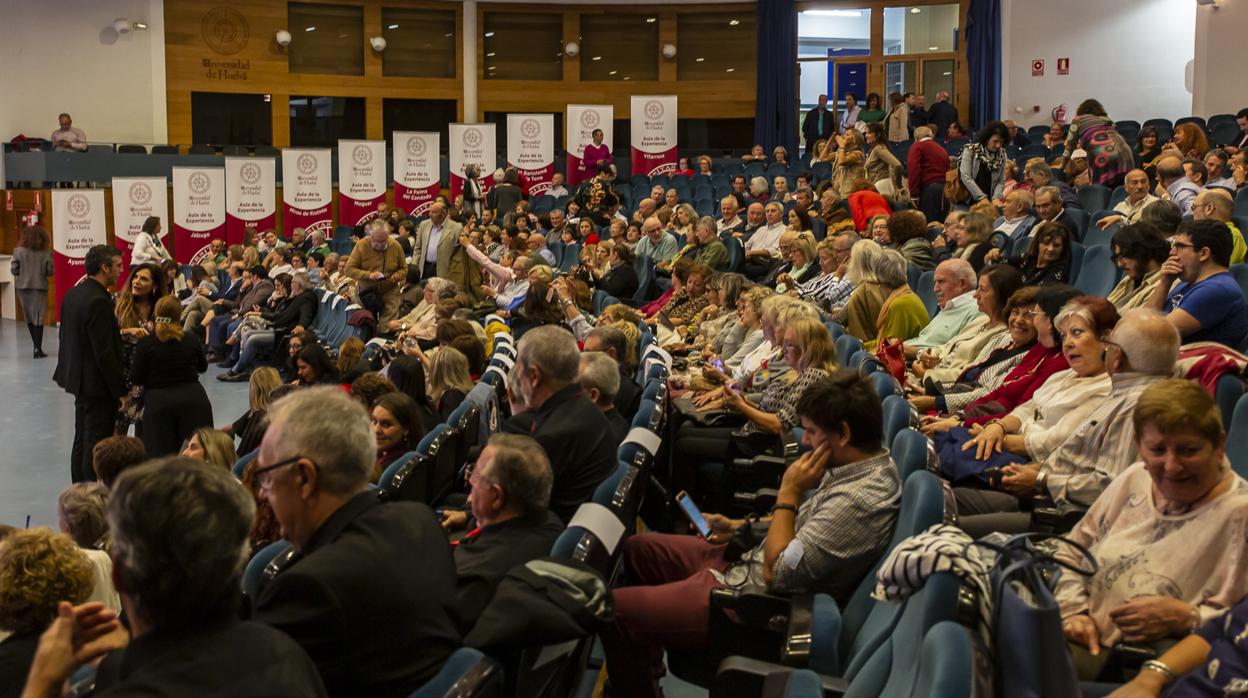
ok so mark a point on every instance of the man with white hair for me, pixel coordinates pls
(1141, 350)
(762, 250)
(729, 222)
(571, 429)
(955, 294)
(600, 379)
(370, 593)
(655, 243)
(379, 268)
(1138, 198)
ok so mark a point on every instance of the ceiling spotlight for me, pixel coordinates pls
(122, 25)
(392, 26)
(734, 22)
(140, 25)
(650, 20)
(915, 10)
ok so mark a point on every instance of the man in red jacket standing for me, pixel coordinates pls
(927, 164)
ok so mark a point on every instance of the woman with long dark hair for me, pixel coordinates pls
(135, 311)
(408, 375)
(314, 367)
(31, 267)
(397, 427)
(147, 246)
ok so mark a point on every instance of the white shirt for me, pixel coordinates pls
(431, 247)
(721, 225)
(1009, 225)
(766, 238)
(558, 191)
(1057, 409)
(1131, 212)
(148, 249)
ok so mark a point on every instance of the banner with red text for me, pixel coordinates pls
(198, 211)
(307, 191)
(471, 144)
(417, 176)
(531, 150)
(250, 197)
(134, 200)
(653, 129)
(580, 123)
(78, 224)
(361, 180)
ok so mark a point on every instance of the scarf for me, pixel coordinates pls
(993, 161)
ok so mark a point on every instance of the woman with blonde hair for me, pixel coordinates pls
(449, 381)
(803, 263)
(971, 239)
(684, 218)
(850, 161)
(251, 257)
(250, 427)
(211, 446)
(860, 313)
(167, 364)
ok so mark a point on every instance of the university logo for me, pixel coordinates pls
(472, 137)
(199, 183)
(79, 206)
(306, 164)
(416, 146)
(653, 109)
(140, 194)
(249, 173)
(529, 128)
(589, 119)
(362, 155)
(225, 30)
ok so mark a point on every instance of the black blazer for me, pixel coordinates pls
(620, 282)
(482, 560)
(371, 598)
(299, 310)
(628, 397)
(89, 364)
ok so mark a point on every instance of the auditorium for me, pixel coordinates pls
(592, 349)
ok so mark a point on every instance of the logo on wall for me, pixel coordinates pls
(140, 194)
(199, 183)
(306, 164)
(79, 206)
(472, 137)
(654, 109)
(249, 173)
(225, 30)
(361, 155)
(416, 147)
(529, 128)
(589, 119)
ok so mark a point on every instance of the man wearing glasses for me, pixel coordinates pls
(370, 594)
(1206, 305)
(89, 365)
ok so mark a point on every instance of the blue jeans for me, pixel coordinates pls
(219, 330)
(255, 343)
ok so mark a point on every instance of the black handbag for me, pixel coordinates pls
(748, 536)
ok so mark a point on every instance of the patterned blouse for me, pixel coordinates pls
(780, 397)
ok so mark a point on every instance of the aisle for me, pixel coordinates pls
(37, 425)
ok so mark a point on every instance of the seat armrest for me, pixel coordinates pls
(800, 632)
(755, 609)
(759, 471)
(1051, 520)
(742, 677)
(759, 502)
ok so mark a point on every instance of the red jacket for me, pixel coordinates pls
(865, 205)
(1020, 384)
(926, 163)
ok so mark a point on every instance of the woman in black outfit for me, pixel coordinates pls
(314, 367)
(1048, 256)
(621, 278)
(167, 364)
(408, 375)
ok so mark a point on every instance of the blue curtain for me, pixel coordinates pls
(983, 53)
(775, 97)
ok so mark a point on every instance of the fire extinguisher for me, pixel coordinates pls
(1059, 114)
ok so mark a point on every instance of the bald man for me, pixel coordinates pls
(1217, 205)
(1173, 184)
(954, 284)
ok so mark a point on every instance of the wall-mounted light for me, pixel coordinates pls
(122, 25)
(378, 43)
(669, 51)
(282, 37)
(572, 48)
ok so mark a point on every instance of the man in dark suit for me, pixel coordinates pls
(370, 592)
(185, 637)
(572, 431)
(1049, 208)
(942, 114)
(614, 344)
(89, 366)
(820, 122)
(510, 499)
(600, 379)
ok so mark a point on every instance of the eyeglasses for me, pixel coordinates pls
(1036, 312)
(261, 475)
(1178, 245)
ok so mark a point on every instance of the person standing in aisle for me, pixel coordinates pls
(31, 267)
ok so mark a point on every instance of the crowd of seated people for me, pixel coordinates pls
(1032, 393)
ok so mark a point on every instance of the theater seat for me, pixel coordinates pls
(926, 291)
(254, 576)
(1237, 438)
(911, 452)
(1098, 274)
(1093, 197)
(240, 465)
(897, 416)
(846, 346)
(467, 674)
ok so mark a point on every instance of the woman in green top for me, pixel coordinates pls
(903, 315)
(874, 111)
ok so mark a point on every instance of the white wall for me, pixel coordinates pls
(63, 56)
(1132, 55)
(1219, 84)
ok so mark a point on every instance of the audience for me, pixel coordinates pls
(954, 283)
(902, 315)
(115, 454)
(211, 446)
(1196, 291)
(600, 379)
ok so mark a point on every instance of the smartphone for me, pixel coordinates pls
(692, 513)
(717, 363)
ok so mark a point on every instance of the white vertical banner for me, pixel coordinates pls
(308, 190)
(653, 127)
(417, 175)
(531, 150)
(580, 122)
(78, 224)
(198, 211)
(471, 144)
(361, 180)
(134, 200)
(250, 196)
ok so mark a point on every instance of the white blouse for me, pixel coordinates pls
(1057, 408)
